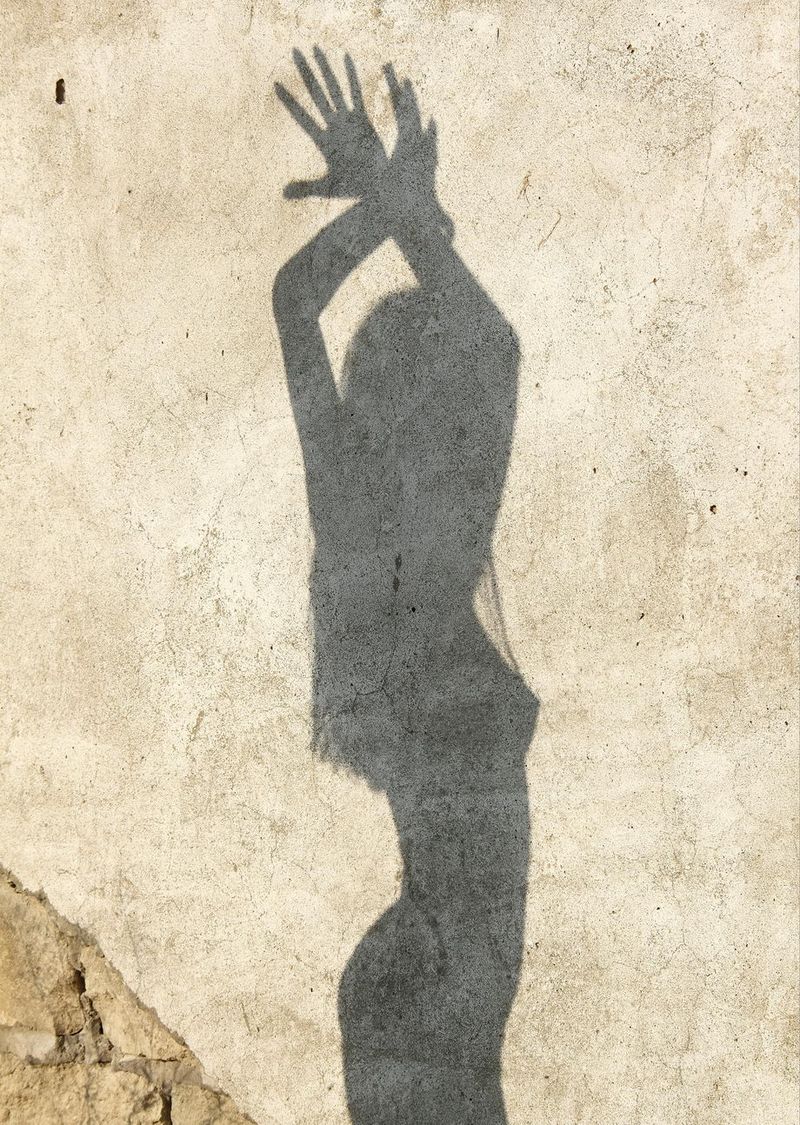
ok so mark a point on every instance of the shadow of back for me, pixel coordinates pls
(411, 694)
(403, 520)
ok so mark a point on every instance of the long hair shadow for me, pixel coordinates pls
(405, 467)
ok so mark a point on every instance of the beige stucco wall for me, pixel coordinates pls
(622, 179)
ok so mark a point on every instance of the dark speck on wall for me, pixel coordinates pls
(60, 93)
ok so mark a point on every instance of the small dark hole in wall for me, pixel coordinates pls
(60, 91)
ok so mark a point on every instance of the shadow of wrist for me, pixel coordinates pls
(417, 212)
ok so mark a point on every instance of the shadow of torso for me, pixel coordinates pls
(412, 695)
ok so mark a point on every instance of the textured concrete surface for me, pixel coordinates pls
(622, 184)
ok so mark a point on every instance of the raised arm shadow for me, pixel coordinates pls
(405, 470)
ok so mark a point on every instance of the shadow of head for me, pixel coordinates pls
(425, 427)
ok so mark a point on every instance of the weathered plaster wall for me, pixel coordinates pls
(623, 182)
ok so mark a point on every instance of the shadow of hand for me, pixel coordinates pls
(403, 185)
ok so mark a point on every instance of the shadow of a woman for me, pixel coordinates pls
(405, 471)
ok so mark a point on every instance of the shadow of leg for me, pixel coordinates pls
(425, 997)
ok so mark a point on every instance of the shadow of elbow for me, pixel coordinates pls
(283, 292)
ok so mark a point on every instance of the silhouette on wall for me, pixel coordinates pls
(405, 470)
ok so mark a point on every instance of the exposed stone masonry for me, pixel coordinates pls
(76, 1046)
